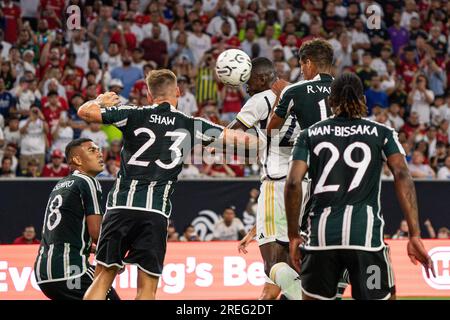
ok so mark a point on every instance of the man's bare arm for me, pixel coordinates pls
(406, 192)
(275, 123)
(94, 222)
(91, 110)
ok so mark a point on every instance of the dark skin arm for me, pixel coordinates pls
(406, 195)
(293, 202)
(275, 122)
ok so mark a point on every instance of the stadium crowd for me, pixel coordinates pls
(50, 67)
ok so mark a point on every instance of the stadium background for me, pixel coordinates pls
(50, 65)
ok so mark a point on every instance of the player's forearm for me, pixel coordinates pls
(240, 139)
(90, 112)
(406, 194)
(292, 202)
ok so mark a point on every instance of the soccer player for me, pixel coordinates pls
(344, 156)
(156, 139)
(71, 225)
(271, 224)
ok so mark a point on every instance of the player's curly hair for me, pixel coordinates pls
(347, 96)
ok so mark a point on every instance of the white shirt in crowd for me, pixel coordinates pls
(421, 106)
(24, 100)
(113, 62)
(187, 104)
(29, 8)
(231, 232)
(65, 135)
(198, 45)
(81, 50)
(33, 141)
(406, 17)
(396, 121)
(99, 137)
(190, 171)
(266, 47)
(12, 136)
(215, 25)
(444, 173)
(5, 49)
(380, 66)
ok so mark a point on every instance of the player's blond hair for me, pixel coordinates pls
(161, 83)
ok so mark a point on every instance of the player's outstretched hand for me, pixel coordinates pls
(243, 244)
(417, 252)
(108, 99)
(294, 251)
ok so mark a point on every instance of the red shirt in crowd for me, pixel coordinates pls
(57, 6)
(130, 39)
(11, 14)
(154, 50)
(407, 71)
(61, 101)
(232, 101)
(231, 42)
(50, 171)
(22, 240)
(139, 89)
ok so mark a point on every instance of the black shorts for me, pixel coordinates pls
(73, 289)
(133, 237)
(370, 273)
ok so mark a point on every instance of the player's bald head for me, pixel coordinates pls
(264, 67)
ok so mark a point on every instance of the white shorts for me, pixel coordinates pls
(271, 223)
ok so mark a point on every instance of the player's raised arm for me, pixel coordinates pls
(406, 194)
(91, 111)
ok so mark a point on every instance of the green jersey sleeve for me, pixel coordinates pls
(392, 144)
(91, 194)
(117, 116)
(285, 105)
(301, 147)
(207, 131)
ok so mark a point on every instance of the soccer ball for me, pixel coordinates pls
(233, 67)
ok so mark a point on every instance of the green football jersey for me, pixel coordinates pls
(66, 243)
(306, 100)
(345, 158)
(156, 139)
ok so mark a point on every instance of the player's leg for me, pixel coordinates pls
(287, 279)
(146, 286)
(102, 283)
(147, 251)
(320, 274)
(371, 274)
(272, 253)
(111, 249)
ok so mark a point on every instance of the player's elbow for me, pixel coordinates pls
(292, 185)
(82, 113)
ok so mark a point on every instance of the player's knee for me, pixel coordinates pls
(275, 268)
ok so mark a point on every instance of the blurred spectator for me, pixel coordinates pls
(11, 152)
(56, 168)
(232, 101)
(6, 169)
(420, 99)
(229, 227)
(365, 72)
(33, 138)
(186, 101)
(398, 33)
(206, 83)
(189, 234)
(268, 42)
(394, 116)
(172, 234)
(418, 168)
(198, 41)
(252, 204)
(116, 85)
(28, 236)
(94, 132)
(25, 97)
(127, 74)
(155, 49)
(11, 131)
(189, 171)
(443, 233)
(7, 101)
(32, 169)
(402, 232)
(444, 172)
(11, 19)
(374, 95)
(111, 169)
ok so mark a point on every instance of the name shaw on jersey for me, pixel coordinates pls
(343, 131)
(154, 118)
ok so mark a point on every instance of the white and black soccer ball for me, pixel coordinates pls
(233, 67)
